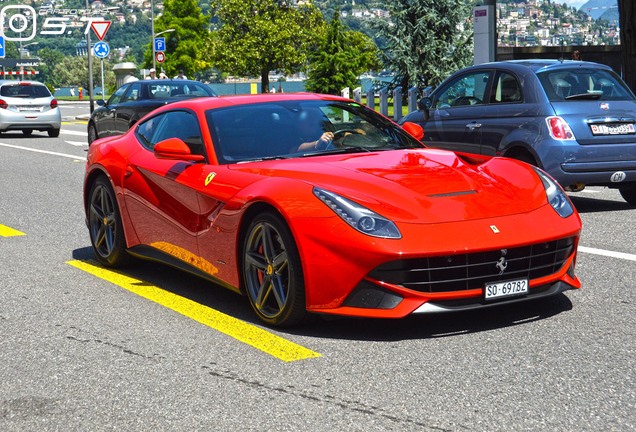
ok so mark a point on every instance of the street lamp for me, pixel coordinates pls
(22, 48)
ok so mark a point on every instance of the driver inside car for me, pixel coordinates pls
(310, 125)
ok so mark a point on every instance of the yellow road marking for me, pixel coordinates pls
(74, 122)
(254, 336)
(5, 231)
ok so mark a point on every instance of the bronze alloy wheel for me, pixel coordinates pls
(272, 272)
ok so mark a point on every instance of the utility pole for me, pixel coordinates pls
(627, 21)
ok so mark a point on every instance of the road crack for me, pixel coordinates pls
(346, 404)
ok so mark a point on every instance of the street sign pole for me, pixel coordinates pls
(89, 53)
(103, 88)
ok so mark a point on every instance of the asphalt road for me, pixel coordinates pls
(78, 352)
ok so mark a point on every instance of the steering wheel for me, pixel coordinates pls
(340, 134)
(466, 100)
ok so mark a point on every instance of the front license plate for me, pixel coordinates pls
(512, 288)
(613, 129)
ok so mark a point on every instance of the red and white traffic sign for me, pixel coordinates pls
(100, 28)
(160, 57)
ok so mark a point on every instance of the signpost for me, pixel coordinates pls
(160, 57)
(2, 50)
(101, 50)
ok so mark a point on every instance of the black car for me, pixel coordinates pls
(135, 99)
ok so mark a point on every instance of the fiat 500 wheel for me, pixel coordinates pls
(105, 226)
(629, 194)
(272, 272)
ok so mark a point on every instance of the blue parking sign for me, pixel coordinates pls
(2, 47)
(160, 44)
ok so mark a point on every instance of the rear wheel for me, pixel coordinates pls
(54, 133)
(27, 132)
(272, 272)
(105, 225)
(92, 133)
(629, 194)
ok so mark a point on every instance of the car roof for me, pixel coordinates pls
(540, 65)
(205, 103)
(15, 82)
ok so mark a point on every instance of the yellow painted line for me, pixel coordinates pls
(5, 231)
(82, 122)
(252, 335)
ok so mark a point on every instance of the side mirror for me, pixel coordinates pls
(100, 102)
(175, 149)
(413, 129)
(424, 104)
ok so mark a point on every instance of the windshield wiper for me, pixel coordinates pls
(264, 158)
(590, 96)
(342, 150)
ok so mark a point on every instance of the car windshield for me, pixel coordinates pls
(289, 129)
(583, 83)
(24, 91)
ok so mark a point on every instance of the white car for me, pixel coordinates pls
(28, 106)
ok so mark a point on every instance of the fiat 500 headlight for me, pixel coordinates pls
(556, 196)
(359, 217)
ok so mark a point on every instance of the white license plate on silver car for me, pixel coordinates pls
(511, 288)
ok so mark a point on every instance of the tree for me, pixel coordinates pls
(341, 56)
(73, 71)
(426, 40)
(49, 59)
(185, 47)
(627, 17)
(255, 37)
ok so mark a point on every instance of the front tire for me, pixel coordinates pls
(105, 225)
(629, 194)
(92, 133)
(272, 272)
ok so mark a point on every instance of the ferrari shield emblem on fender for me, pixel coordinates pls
(494, 229)
(209, 178)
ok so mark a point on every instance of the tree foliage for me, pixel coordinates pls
(73, 71)
(341, 56)
(255, 37)
(426, 40)
(186, 47)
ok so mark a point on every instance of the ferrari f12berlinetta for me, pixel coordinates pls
(314, 203)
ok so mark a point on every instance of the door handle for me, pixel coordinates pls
(473, 126)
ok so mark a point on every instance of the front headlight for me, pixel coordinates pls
(556, 196)
(359, 217)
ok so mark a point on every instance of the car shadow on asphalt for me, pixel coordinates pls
(214, 296)
(595, 205)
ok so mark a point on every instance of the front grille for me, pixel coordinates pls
(471, 271)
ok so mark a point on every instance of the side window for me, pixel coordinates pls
(464, 90)
(116, 97)
(507, 89)
(133, 93)
(147, 130)
(173, 124)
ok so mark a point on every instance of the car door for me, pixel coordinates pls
(161, 194)
(125, 110)
(506, 115)
(104, 116)
(454, 118)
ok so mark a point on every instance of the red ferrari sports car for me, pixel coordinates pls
(315, 203)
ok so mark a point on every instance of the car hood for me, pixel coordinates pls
(415, 186)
